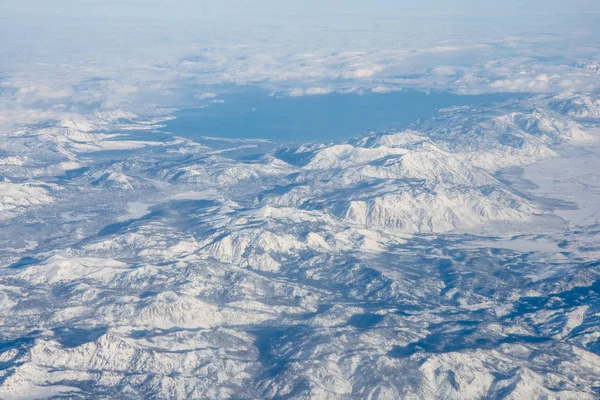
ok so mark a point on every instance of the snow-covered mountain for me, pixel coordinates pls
(576, 105)
(405, 264)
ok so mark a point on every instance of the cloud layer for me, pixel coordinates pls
(60, 64)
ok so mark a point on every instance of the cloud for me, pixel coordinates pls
(362, 73)
(444, 70)
(113, 68)
(381, 89)
(43, 93)
(205, 96)
(311, 91)
(539, 83)
(542, 83)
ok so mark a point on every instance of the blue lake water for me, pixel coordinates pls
(254, 114)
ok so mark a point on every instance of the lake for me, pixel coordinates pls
(255, 114)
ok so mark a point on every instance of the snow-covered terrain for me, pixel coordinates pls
(456, 259)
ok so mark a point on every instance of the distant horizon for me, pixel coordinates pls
(335, 7)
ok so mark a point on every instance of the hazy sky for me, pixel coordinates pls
(178, 8)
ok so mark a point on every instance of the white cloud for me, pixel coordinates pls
(443, 49)
(311, 91)
(296, 92)
(444, 70)
(317, 90)
(362, 73)
(45, 92)
(542, 83)
(114, 69)
(205, 96)
(381, 89)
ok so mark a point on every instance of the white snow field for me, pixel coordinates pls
(457, 259)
